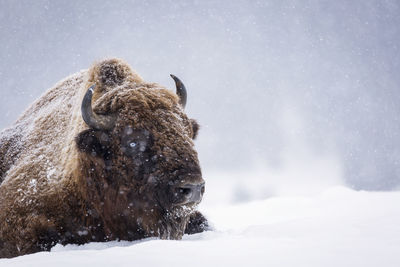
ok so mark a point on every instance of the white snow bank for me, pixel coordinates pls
(338, 227)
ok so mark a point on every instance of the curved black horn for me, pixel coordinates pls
(180, 90)
(93, 120)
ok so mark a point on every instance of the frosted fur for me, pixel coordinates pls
(51, 192)
(43, 160)
(40, 135)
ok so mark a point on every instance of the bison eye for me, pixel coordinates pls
(132, 144)
(135, 142)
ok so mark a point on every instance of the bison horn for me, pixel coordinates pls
(93, 120)
(180, 90)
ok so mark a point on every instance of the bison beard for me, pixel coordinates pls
(124, 168)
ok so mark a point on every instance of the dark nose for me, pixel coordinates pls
(190, 193)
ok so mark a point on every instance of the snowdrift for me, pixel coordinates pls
(336, 227)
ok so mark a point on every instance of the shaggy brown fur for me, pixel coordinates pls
(61, 182)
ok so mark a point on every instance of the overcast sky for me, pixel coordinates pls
(270, 82)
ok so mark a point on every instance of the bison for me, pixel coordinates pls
(102, 156)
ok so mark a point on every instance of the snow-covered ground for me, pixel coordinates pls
(333, 227)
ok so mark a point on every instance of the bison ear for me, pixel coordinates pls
(94, 142)
(195, 128)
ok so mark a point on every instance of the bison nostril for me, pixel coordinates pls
(189, 193)
(185, 191)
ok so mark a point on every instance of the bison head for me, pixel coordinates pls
(140, 171)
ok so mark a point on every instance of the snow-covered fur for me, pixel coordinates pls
(63, 182)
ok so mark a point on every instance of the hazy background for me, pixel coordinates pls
(287, 92)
